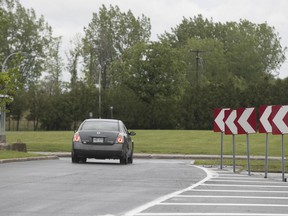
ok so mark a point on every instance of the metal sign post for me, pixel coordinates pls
(265, 126)
(219, 126)
(280, 126)
(248, 153)
(283, 161)
(221, 152)
(233, 143)
(266, 157)
(2, 124)
(246, 123)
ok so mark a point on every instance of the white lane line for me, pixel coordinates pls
(245, 178)
(134, 212)
(209, 214)
(239, 191)
(244, 181)
(232, 175)
(234, 185)
(222, 204)
(232, 197)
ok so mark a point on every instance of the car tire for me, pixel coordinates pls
(124, 158)
(130, 158)
(74, 157)
(83, 160)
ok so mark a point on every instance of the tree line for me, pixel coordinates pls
(117, 71)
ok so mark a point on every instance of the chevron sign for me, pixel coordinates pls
(229, 120)
(264, 119)
(246, 120)
(218, 125)
(279, 118)
(240, 121)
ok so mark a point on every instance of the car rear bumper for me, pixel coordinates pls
(98, 151)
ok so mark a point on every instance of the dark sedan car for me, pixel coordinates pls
(103, 139)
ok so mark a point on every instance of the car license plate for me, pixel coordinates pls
(97, 140)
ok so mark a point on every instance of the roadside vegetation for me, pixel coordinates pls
(169, 86)
(15, 154)
(196, 142)
(174, 82)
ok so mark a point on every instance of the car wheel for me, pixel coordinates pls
(124, 160)
(75, 158)
(83, 160)
(124, 157)
(130, 158)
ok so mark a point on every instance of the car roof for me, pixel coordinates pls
(103, 120)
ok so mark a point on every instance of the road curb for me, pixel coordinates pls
(50, 157)
(56, 155)
(170, 156)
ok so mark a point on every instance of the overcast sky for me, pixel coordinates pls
(69, 17)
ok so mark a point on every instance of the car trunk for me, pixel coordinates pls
(98, 137)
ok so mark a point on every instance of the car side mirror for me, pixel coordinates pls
(132, 133)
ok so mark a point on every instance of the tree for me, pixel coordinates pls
(23, 32)
(107, 36)
(250, 50)
(73, 57)
(27, 49)
(54, 65)
(154, 73)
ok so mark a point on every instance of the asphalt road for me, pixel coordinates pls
(224, 193)
(58, 187)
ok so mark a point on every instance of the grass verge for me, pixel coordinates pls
(159, 141)
(255, 165)
(15, 154)
(169, 142)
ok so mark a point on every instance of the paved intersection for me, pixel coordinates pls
(223, 193)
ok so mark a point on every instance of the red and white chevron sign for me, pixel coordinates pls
(246, 120)
(229, 121)
(240, 121)
(218, 125)
(265, 125)
(279, 118)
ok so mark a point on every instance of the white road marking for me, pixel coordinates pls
(216, 176)
(235, 185)
(208, 214)
(238, 191)
(244, 181)
(136, 211)
(244, 178)
(222, 204)
(231, 197)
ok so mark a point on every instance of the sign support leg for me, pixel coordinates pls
(221, 152)
(283, 161)
(233, 137)
(248, 153)
(266, 157)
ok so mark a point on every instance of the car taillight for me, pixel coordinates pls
(120, 139)
(76, 137)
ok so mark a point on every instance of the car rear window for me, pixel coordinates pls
(100, 126)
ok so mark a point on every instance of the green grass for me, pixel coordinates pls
(203, 142)
(170, 142)
(15, 154)
(161, 142)
(45, 141)
(255, 165)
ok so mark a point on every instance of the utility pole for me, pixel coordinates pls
(197, 62)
